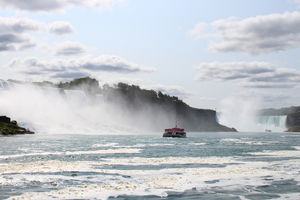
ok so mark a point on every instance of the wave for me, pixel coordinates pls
(246, 141)
(105, 180)
(146, 182)
(105, 151)
(287, 153)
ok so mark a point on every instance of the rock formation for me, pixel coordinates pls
(8, 127)
(293, 122)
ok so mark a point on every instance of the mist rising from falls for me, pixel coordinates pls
(52, 110)
(47, 110)
(242, 114)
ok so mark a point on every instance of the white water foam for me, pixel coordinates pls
(158, 182)
(105, 145)
(246, 141)
(234, 175)
(198, 144)
(105, 151)
(286, 153)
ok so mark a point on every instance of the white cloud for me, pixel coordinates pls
(12, 33)
(19, 25)
(54, 5)
(256, 35)
(221, 71)
(249, 74)
(198, 32)
(73, 68)
(60, 28)
(70, 49)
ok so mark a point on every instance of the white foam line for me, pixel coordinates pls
(297, 147)
(155, 145)
(247, 141)
(57, 166)
(144, 145)
(170, 160)
(30, 154)
(198, 144)
(93, 192)
(283, 153)
(105, 145)
(105, 151)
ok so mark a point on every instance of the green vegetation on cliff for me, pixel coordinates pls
(8, 127)
(294, 129)
(87, 84)
(137, 101)
(147, 109)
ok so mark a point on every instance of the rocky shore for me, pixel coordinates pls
(11, 127)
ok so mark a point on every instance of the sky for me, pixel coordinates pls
(205, 52)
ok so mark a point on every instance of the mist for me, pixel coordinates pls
(51, 110)
(242, 113)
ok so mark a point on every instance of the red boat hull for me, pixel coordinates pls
(174, 134)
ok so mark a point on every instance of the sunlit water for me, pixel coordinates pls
(202, 166)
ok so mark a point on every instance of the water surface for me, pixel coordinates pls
(202, 166)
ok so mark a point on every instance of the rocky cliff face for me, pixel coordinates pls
(293, 119)
(162, 110)
(195, 119)
(8, 127)
(135, 107)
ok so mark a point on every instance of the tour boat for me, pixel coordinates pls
(175, 132)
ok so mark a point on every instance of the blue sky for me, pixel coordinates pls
(203, 51)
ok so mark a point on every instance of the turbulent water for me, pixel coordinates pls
(202, 166)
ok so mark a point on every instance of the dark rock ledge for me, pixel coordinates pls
(11, 127)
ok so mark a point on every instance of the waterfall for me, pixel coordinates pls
(253, 122)
(272, 123)
(3, 84)
(54, 110)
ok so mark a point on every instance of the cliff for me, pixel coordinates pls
(8, 127)
(293, 122)
(138, 108)
(195, 119)
(161, 109)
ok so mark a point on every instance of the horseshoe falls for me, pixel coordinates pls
(272, 123)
